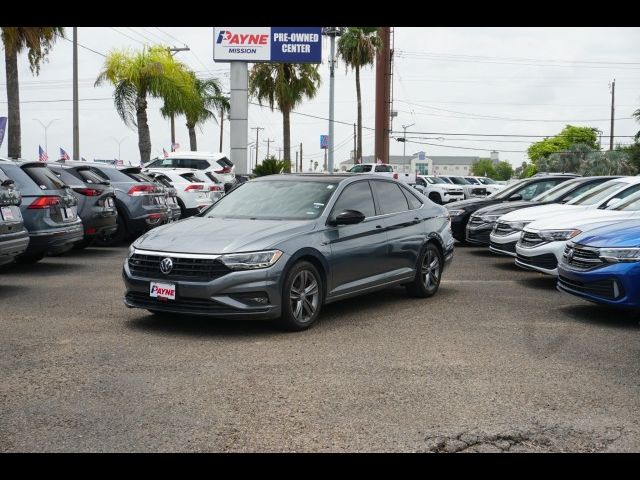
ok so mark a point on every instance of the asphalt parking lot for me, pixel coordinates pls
(498, 360)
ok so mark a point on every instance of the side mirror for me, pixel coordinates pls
(8, 183)
(514, 198)
(348, 217)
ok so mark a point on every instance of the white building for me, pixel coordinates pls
(424, 164)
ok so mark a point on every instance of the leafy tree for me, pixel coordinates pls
(570, 135)
(633, 153)
(503, 171)
(272, 166)
(530, 170)
(152, 71)
(483, 168)
(38, 41)
(198, 105)
(571, 160)
(284, 84)
(358, 47)
(636, 115)
(614, 162)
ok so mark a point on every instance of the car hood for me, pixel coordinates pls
(506, 207)
(221, 235)
(472, 204)
(586, 220)
(542, 211)
(611, 235)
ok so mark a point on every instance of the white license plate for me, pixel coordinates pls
(110, 203)
(163, 291)
(6, 213)
(69, 214)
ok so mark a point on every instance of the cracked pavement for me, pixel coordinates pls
(497, 361)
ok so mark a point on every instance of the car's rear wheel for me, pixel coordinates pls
(29, 259)
(302, 296)
(428, 273)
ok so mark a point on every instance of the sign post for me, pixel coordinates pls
(242, 45)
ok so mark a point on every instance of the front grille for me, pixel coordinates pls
(530, 239)
(608, 289)
(478, 191)
(548, 261)
(195, 305)
(503, 229)
(581, 258)
(481, 236)
(505, 247)
(190, 269)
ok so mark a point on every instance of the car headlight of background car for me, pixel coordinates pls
(615, 255)
(558, 235)
(489, 218)
(456, 213)
(517, 226)
(250, 260)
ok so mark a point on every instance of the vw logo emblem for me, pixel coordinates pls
(166, 265)
(570, 254)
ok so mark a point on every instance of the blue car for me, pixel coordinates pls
(603, 265)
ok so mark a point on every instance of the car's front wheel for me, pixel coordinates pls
(301, 297)
(428, 273)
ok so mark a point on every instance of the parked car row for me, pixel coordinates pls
(444, 189)
(583, 230)
(50, 208)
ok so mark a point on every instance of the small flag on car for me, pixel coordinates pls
(175, 146)
(63, 155)
(165, 153)
(42, 155)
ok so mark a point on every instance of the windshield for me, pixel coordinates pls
(459, 181)
(486, 181)
(597, 194)
(275, 199)
(434, 180)
(507, 192)
(473, 181)
(556, 192)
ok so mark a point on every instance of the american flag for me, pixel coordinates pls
(63, 155)
(119, 162)
(165, 153)
(42, 155)
(175, 146)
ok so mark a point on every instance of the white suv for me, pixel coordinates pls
(194, 191)
(216, 164)
(438, 190)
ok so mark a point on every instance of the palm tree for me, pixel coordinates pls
(284, 84)
(38, 40)
(271, 166)
(358, 47)
(152, 71)
(197, 109)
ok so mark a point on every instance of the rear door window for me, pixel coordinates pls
(384, 168)
(89, 177)
(356, 196)
(411, 199)
(162, 163)
(191, 177)
(211, 177)
(44, 178)
(66, 176)
(391, 199)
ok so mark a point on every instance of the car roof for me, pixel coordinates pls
(201, 155)
(320, 177)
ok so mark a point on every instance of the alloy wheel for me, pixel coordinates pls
(430, 268)
(304, 296)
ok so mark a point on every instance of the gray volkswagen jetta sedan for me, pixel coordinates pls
(281, 246)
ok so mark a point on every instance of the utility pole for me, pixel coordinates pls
(296, 160)
(613, 101)
(301, 156)
(119, 142)
(355, 160)
(279, 153)
(76, 126)
(404, 140)
(332, 33)
(221, 125)
(257, 129)
(267, 141)
(173, 50)
(46, 148)
(383, 96)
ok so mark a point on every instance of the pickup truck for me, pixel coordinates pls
(384, 170)
(438, 190)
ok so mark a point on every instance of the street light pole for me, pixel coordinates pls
(46, 148)
(173, 50)
(119, 142)
(332, 33)
(404, 142)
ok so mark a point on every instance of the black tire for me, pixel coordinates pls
(183, 209)
(29, 259)
(305, 312)
(428, 272)
(107, 240)
(435, 197)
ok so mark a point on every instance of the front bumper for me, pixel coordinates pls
(542, 258)
(504, 244)
(217, 298)
(452, 197)
(479, 235)
(616, 284)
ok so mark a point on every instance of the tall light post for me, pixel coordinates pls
(46, 148)
(404, 143)
(332, 33)
(119, 142)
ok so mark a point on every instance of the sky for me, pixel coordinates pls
(446, 81)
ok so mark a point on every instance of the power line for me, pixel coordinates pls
(169, 35)
(128, 36)
(63, 100)
(83, 46)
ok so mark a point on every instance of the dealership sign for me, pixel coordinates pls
(268, 44)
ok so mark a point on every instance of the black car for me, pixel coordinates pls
(48, 207)
(523, 190)
(96, 201)
(483, 220)
(14, 237)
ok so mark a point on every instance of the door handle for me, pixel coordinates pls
(378, 226)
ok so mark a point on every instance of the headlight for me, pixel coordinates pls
(517, 226)
(489, 218)
(615, 255)
(558, 235)
(455, 213)
(251, 260)
(132, 250)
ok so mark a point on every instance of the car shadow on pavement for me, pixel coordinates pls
(201, 327)
(95, 251)
(604, 316)
(508, 264)
(9, 291)
(539, 281)
(41, 268)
